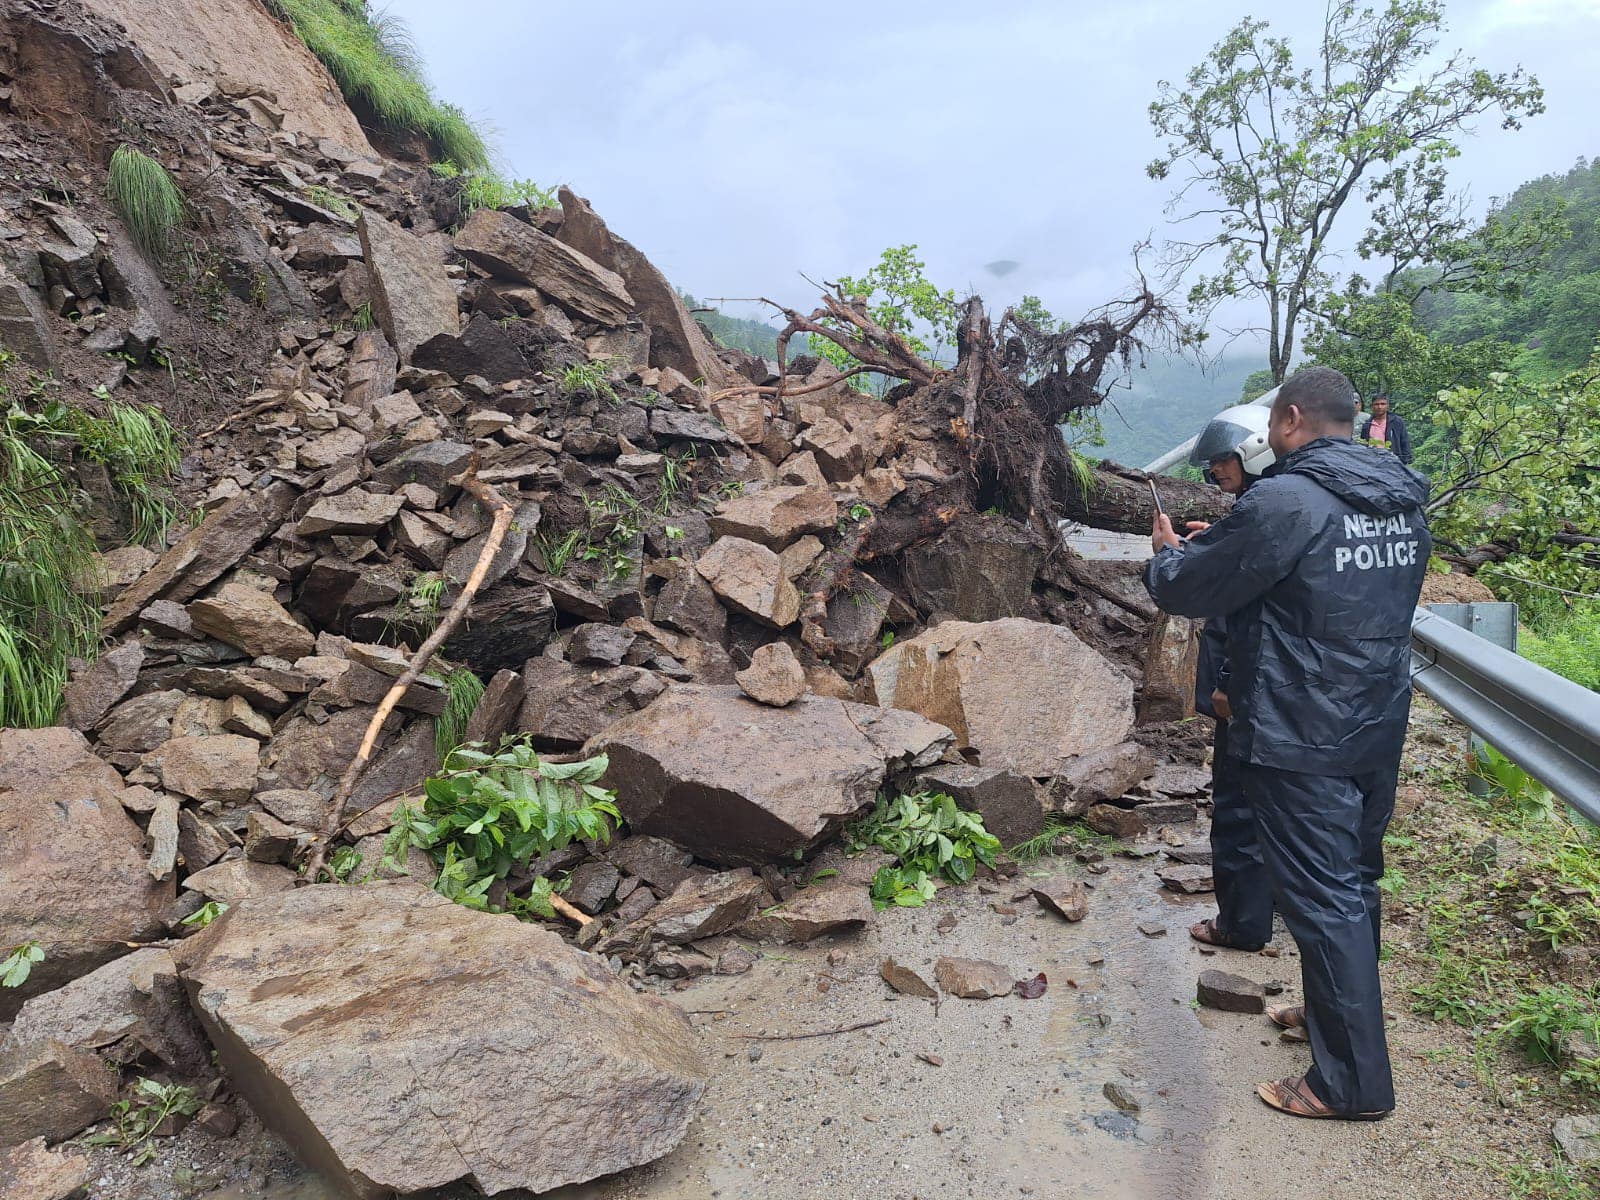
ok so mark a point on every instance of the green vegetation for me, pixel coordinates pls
(485, 814)
(371, 57)
(1481, 932)
(901, 300)
(462, 691)
(46, 550)
(1273, 151)
(928, 835)
(331, 200)
(204, 915)
(1565, 638)
(485, 189)
(146, 198)
(138, 1118)
(590, 378)
(18, 964)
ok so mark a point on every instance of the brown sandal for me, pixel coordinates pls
(1207, 933)
(1288, 1016)
(1295, 1097)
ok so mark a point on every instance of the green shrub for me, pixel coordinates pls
(462, 691)
(928, 835)
(484, 814)
(486, 189)
(375, 63)
(46, 550)
(145, 197)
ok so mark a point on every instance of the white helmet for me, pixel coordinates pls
(1240, 430)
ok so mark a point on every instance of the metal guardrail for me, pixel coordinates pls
(1547, 725)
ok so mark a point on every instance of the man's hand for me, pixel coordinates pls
(1219, 705)
(1195, 527)
(1161, 535)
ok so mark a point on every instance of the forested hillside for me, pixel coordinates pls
(1168, 402)
(1554, 322)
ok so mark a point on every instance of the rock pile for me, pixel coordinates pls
(663, 595)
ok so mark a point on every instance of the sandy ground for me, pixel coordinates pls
(1018, 1106)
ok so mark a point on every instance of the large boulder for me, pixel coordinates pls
(739, 783)
(750, 579)
(338, 1014)
(979, 569)
(776, 516)
(24, 327)
(677, 341)
(72, 864)
(412, 295)
(512, 249)
(1023, 694)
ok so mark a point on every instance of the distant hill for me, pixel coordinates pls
(1168, 402)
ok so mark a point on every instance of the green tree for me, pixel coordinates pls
(899, 297)
(1255, 384)
(1520, 466)
(1285, 150)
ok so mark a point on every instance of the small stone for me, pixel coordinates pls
(1065, 897)
(1152, 929)
(973, 978)
(1121, 1097)
(1579, 1139)
(906, 981)
(1231, 993)
(774, 676)
(1189, 879)
(933, 1060)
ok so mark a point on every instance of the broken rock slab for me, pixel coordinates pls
(372, 1076)
(1191, 879)
(776, 516)
(30, 1171)
(832, 906)
(973, 978)
(412, 295)
(92, 694)
(750, 579)
(209, 550)
(72, 864)
(1231, 993)
(253, 621)
(1023, 694)
(1007, 801)
(701, 906)
(739, 783)
(512, 249)
(1098, 776)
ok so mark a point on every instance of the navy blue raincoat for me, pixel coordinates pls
(1317, 568)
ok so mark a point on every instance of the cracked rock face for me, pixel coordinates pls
(741, 784)
(339, 1014)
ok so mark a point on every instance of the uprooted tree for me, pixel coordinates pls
(984, 434)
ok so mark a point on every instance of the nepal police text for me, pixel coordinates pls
(1375, 555)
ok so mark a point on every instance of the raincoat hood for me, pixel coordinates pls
(1370, 480)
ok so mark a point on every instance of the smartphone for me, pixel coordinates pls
(1156, 496)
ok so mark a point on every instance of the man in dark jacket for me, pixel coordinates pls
(1243, 892)
(1318, 568)
(1386, 427)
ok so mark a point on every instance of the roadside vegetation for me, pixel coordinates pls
(49, 613)
(1493, 923)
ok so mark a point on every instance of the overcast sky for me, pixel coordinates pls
(743, 144)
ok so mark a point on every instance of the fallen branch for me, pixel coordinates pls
(503, 512)
(795, 1037)
(566, 910)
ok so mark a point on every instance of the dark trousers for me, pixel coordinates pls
(1322, 840)
(1244, 894)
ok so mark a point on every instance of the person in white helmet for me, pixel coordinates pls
(1233, 451)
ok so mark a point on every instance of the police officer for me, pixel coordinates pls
(1234, 450)
(1317, 568)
